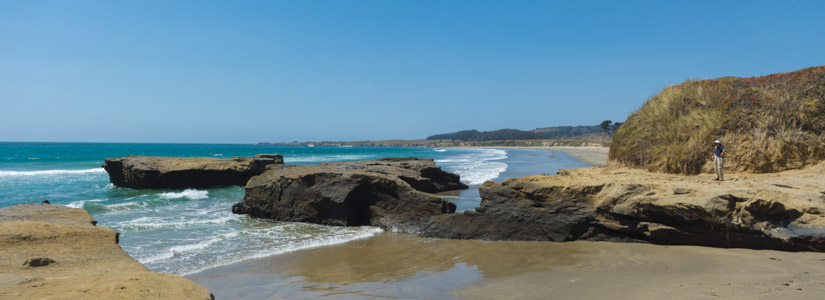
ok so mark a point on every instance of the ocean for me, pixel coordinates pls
(188, 231)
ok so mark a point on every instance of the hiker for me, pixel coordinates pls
(719, 160)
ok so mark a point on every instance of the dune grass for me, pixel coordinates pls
(768, 124)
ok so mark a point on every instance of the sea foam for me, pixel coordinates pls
(192, 194)
(50, 172)
(477, 166)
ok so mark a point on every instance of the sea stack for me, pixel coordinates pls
(391, 193)
(152, 172)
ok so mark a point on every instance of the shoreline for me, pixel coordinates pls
(392, 265)
(591, 155)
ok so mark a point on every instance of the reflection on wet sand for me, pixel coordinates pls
(395, 266)
(388, 265)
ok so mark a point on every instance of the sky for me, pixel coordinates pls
(253, 71)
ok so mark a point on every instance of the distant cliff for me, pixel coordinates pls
(768, 124)
(515, 134)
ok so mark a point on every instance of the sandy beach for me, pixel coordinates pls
(409, 267)
(595, 156)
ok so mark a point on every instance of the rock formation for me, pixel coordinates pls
(152, 172)
(758, 211)
(392, 193)
(55, 252)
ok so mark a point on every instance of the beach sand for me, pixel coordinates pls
(594, 156)
(404, 266)
(410, 267)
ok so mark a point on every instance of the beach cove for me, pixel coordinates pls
(390, 265)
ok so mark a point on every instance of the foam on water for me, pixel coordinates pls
(184, 232)
(188, 193)
(81, 203)
(476, 167)
(50, 172)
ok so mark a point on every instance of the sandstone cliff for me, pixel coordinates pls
(784, 211)
(152, 172)
(55, 252)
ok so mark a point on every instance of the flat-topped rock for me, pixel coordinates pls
(392, 193)
(783, 211)
(151, 172)
(54, 252)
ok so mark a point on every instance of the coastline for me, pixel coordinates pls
(591, 155)
(392, 265)
(405, 265)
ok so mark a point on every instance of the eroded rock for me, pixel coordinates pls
(38, 262)
(151, 172)
(392, 193)
(90, 263)
(633, 205)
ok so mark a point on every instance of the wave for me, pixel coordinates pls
(82, 203)
(154, 223)
(363, 233)
(477, 166)
(440, 150)
(176, 250)
(192, 194)
(50, 172)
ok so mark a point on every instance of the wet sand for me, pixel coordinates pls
(409, 267)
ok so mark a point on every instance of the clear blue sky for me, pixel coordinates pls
(249, 71)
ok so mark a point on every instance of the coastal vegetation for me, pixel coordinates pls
(768, 124)
(515, 134)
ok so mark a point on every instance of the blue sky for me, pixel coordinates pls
(250, 71)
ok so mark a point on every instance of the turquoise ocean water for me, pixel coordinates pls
(187, 231)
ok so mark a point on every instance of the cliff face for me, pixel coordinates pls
(392, 193)
(152, 172)
(782, 212)
(55, 252)
(768, 124)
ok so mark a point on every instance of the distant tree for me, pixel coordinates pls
(605, 125)
(616, 126)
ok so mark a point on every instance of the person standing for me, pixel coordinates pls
(719, 160)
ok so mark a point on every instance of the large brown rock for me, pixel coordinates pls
(783, 211)
(55, 252)
(152, 172)
(392, 193)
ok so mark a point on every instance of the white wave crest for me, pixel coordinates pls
(80, 203)
(50, 172)
(364, 232)
(151, 223)
(477, 166)
(188, 193)
(440, 150)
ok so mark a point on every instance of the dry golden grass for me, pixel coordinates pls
(768, 124)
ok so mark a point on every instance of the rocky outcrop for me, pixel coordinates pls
(781, 212)
(392, 193)
(152, 172)
(55, 252)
